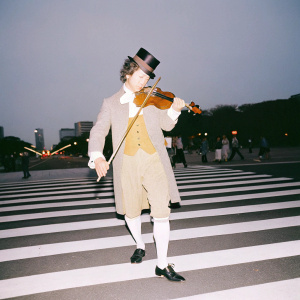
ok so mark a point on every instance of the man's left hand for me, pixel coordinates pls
(178, 104)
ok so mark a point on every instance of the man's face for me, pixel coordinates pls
(137, 80)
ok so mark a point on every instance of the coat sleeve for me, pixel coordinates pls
(100, 129)
(166, 123)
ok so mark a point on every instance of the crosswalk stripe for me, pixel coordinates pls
(73, 226)
(223, 178)
(121, 241)
(62, 192)
(285, 289)
(239, 212)
(213, 176)
(55, 281)
(53, 198)
(218, 184)
(241, 189)
(240, 197)
(62, 186)
(83, 202)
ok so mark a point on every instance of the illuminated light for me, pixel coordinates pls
(199, 133)
(33, 151)
(233, 132)
(205, 133)
(61, 149)
(87, 140)
(286, 134)
(75, 143)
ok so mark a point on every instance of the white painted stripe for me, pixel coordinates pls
(240, 189)
(240, 197)
(73, 226)
(266, 163)
(56, 214)
(182, 203)
(180, 179)
(38, 182)
(54, 281)
(214, 179)
(216, 173)
(62, 197)
(122, 241)
(207, 171)
(234, 210)
(79, 190)
(48, 188)
(56, 205)
(279, 290)
(232, 183)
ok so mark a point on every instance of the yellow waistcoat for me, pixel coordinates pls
(138, 138)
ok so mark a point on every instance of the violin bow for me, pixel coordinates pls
(131, 123)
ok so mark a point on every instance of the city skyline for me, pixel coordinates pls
(59, 60)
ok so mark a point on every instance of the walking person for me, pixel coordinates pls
(25, 165)
(179, 156)
(143, 176)
(218, 150)
(235, 149)
(204, 149)
(250, 145)
(264, 149)
(225, 147)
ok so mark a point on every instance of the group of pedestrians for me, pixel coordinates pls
(224, 150)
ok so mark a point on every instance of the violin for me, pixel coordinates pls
(160, 99)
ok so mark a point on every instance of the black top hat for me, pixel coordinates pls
(146, 61)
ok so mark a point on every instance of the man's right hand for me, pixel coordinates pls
(101, 166)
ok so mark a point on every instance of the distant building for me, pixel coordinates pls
(1, 132)
(39, 139)
(83, 127)
(66, 133)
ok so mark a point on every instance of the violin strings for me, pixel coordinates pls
(162, 96)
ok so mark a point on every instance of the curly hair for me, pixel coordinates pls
(129, 67)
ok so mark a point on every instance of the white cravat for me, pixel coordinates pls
(128, 97)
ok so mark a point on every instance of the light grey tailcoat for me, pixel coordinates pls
(115, 115)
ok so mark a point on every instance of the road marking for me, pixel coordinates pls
(240, 189)
(55, 281)
(73, 226)
(285, 289)
(126, 240)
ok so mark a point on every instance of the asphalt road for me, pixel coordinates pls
(235, 235)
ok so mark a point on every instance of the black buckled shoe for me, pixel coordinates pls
(169, 273)
(137, 256)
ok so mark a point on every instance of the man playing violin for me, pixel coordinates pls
(143, 176)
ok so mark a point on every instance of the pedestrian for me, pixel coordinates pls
(225, 147)
(204, 149)
(264, 149)
(143, 176)
(25, 165)
(179, 154)
(235, 147)
(250, 145)
(218, 150)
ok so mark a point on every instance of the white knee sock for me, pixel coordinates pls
(135, 227)
(161, 232)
